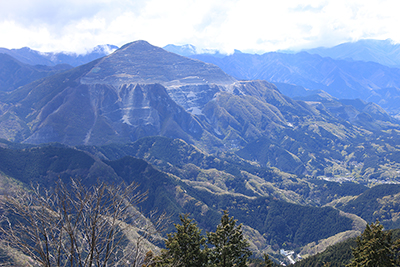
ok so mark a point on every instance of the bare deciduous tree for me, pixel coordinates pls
(72, 225)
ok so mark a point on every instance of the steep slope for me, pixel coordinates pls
(142, 90)
(190, 83)
(114, 99)
(342, 79)
(378, 203)
(14, 74)
(226, 172)
(338, 255)
(274, 220)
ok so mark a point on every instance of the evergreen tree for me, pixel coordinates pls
(267, 261)
(374, 248)
(186, 247)
(230, 247)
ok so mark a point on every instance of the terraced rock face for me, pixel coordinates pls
(190, 83)
(140, 62)
(98, 114)
(139, 90)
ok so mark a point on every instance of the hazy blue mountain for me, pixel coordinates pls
(384, 52)
(216, 142)
(33, 57)
(342, 79)
(142, 90)
(188, 50)
(118, 98)
(14, 73)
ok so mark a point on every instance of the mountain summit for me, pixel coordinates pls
(139, 90)
(140, 62)
(190, 83)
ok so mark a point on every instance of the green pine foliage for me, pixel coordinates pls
(374, 248)
(267, 261)
(186, 247)
(342, 254)
(226, 247)
(230, 248)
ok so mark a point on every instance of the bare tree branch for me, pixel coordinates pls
(74, 225)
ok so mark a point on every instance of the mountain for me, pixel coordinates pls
(377, 203)
(295, 171)
(188, 50)
(33, 57)
(142, 90)
(338, 255)
(384, 52)
(269, 220)
(14, 73)
(119, 98)
(369, 81)
(185, 180)
(226, 172)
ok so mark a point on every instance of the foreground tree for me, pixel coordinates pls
(374, 248)
(186, 247)
(267, 261)
(230, 246)
(72, 225)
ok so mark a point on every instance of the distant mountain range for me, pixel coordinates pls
(141, 90)
(33, 57)
(294, 170)
(342, 79)
(14, 73)
(384, 52)
(349, 72)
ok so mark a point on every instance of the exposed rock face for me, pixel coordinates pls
(140, 62)
(99, 114)
(139, 90)
(142, 90)
(190, 83)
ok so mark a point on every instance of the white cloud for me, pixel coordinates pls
(247, 25)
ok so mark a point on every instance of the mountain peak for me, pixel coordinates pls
(141, 62)
(138, 45)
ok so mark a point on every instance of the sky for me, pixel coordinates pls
(253, 26)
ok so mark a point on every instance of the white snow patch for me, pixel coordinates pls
(125, 119)
(191, 94)
(217, 131)
(196, 111)
(87, 137)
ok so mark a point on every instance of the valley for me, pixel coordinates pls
(300, 168)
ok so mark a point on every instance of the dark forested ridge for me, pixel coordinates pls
(299, 173)
(338, 255)
(94, 104)
(276, 220)
(14, 73)
(184, 180)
